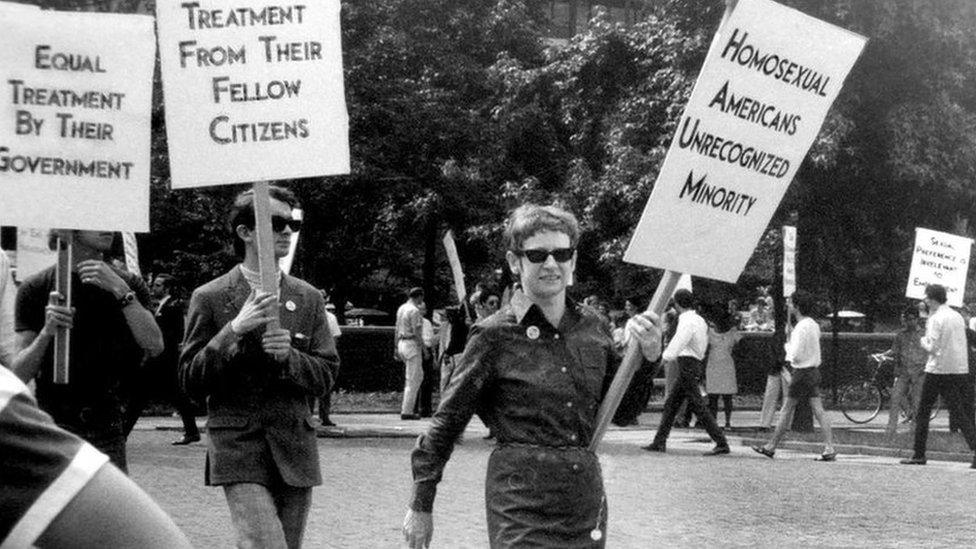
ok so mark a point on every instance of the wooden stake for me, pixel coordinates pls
(631, 362)
(267, 264)
(62, 339)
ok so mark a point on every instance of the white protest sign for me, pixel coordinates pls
(789, 260)
(253, 91)
(939, 258)
(75, 119)
(33, 253)
(760, 99)
(455, 261)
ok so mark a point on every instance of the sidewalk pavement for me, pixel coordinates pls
(743, 433)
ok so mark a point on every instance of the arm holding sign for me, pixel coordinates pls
(33, 344)
(130, 295)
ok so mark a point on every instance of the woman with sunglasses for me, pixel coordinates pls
(535, 373)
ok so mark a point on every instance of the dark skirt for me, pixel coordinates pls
(538, 496)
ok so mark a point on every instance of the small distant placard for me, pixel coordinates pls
(939, 258)
(33, 253)
(253, 90)
(789, 260)
(75, 119)
(760, 99)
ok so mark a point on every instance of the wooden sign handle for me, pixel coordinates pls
(631, 362)
(62, 338)
(265, 240)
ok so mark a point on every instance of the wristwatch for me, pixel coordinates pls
(128, 298)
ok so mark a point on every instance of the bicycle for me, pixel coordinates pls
(862, 401)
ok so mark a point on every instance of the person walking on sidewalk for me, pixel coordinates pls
(535, 373)
(688, 347)
(803, 353)
(258, 382)
(909, 358)
(169, 315)
(946, 370)
(409, 349)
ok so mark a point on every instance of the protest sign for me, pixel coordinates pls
(455, 261)
(253, 91)
(75, 119)
(760, 99)
(939, 258)
(33, 253)
(789, 260)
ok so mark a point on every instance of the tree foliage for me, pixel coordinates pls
(459, 111)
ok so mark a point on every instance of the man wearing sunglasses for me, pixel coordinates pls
(258, 383)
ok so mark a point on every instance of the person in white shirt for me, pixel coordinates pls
(945, 371)
(8, 295)
(687, 347)
(408, 348)
(803, 354)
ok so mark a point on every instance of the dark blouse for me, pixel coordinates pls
(529, 383)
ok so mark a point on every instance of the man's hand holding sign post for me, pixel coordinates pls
(764, 90)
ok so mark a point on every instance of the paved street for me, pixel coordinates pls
(675, 500)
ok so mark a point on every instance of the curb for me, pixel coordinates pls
(853, 449)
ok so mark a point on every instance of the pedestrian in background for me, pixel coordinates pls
(409, 349)
(687, 348)
(535, 373)
(425, 398)
(720, 380)
(325, 402)
(946, 370)
(909, 369)
(803, 355)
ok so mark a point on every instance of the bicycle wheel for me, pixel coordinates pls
(860, 402)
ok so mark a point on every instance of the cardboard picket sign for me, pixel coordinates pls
(455, 262)
(253, 92)
(758, 104)
(789, 260)
(939, 258)
(75, 119)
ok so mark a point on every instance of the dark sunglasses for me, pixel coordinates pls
(561, 255)
(278, 223)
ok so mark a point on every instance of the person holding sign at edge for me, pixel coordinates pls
(111, 332)
(258, 381)
(535, 373)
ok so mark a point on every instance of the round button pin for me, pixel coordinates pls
(532, 332)
(290, 305)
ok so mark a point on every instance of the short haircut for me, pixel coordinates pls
(484, 295)
(936, 292)
(530, 219)
(167, 280)
(684, 298)
(803, 301)
(242, 211)
(416, 293)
